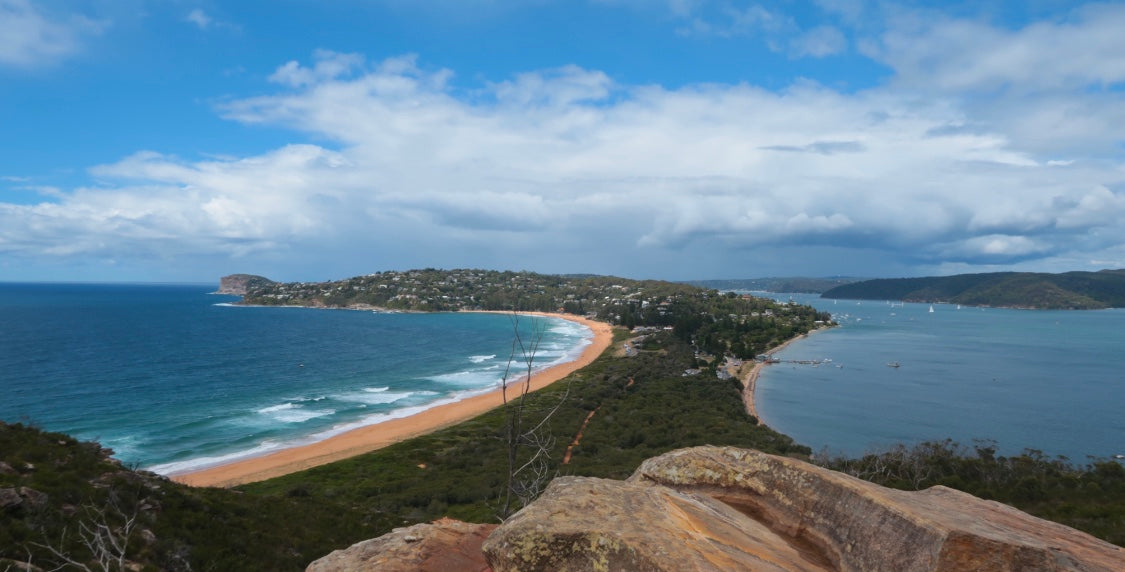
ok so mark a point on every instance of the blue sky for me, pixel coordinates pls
(309, 140)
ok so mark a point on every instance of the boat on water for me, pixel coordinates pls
(893, 364)
(931, 308)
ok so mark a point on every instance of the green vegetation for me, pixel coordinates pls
(63, 500)
(719, 324)
(1069, 291)
(58, 494)
(460, 471)
(1090, 498)
(284, 523)
(55, 488)
(432, 290)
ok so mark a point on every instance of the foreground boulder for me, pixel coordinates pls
(857, 525)
(443, 545)
(721, 508)
(598, 524)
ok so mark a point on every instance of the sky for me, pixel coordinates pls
(307, 140)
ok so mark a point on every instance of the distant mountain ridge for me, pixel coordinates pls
(796, 284)
(1065, 291)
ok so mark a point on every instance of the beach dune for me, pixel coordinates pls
(372, 437)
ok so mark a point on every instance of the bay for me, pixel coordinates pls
(173, 378)
(1052, 381)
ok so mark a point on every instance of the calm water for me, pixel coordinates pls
(1047, 380)
(173, 378)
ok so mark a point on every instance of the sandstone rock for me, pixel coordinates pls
(6, 469)
(9, 498)
(856, 525)
(721, 508)
(582, 523)
(33, 497)
(147, 536)
(443, 545)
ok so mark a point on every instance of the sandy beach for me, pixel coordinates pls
(372, 437)
(750, 376)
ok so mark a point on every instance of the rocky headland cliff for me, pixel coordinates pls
(240, 284)
(723, 508)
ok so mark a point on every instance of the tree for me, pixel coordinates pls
(529, 442)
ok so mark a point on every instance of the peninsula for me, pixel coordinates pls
(745, 328)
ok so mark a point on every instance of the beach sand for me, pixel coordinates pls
(749, 376)
(372, 437)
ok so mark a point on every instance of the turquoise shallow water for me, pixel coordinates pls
(173, 378)
(1047, 380)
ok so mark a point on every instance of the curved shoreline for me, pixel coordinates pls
(371, 437)
(750, 378)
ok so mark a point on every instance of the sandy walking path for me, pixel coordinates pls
(372, 437)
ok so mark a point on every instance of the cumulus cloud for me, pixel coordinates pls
(327, 65)
(937, 52)
(30, 37)
(571, 161)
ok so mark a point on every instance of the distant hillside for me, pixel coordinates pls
(790, 284)
(1069, 291)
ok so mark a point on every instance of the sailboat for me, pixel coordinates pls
(931, 308)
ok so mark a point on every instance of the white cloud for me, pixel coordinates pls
(554, 162)
(562, 86)
(937, 52)
(199, 18)
(329, 65)
(29, 37)
(818, 42)
(205, 21)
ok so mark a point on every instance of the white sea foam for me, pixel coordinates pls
(275, 408)
(269, 446)
(301, 415)
(475, 382)
(469, 378)
(397, 413)
(568, 328)
(375, 397)
(293, 413)
(199, 463)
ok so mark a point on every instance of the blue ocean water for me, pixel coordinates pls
(173, 378)
(1047, 380)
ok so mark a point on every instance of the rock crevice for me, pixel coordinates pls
(722, 508)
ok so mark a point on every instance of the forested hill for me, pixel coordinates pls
(1068, 291)
(719, 324)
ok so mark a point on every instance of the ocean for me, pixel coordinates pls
(173, 378)
(1052, 381)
